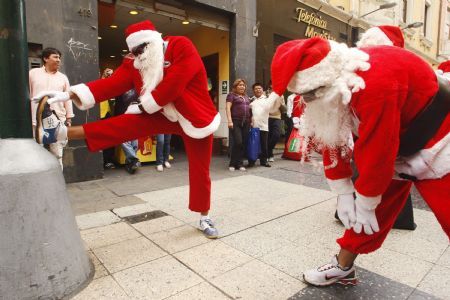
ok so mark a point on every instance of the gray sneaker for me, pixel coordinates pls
(208, 229)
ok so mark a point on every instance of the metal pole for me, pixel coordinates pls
(15, 118)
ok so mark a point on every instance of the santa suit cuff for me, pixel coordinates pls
(369, 203)
(85, 99)
(341, 186)
(149, 104)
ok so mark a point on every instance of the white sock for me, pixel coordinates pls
(204, 217)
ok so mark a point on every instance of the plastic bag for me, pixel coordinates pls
(253, 144)
(293, 148)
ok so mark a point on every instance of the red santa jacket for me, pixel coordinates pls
(399, 85)
(182, 93)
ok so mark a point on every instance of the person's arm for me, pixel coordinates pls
(68, 104)
(228, 110)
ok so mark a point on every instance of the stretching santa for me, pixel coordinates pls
(394, 102)
(171, 79)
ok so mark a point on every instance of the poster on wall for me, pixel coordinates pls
(224, 86)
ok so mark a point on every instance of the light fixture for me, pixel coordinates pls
(113, 26)
(413, 25)
(99, 38)
(133, 12)
(382, 6)
(112, 56)
(124, 50)
(185, 21)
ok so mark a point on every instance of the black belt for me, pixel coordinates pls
(427, 122)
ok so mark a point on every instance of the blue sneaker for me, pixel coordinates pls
(49, 128)
(208, 229)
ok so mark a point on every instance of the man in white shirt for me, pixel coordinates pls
(48, 78)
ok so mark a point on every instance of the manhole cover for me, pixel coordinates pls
(145, 216)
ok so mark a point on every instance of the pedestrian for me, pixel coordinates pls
(171, 80)
(239, 119)
(275, 124)
(162, 151)
(49, 78)
(398, 107)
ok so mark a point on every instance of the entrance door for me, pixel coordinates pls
(211, 63)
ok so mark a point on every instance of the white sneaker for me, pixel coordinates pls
(271, 159)
(167, 165)
(330, 274)
(242, 169)
(159, 168)
(208, 229)
(232, 169)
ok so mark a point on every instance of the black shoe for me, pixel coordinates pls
(251, 165)
(267, 165)
(132, 166)
(109, 165)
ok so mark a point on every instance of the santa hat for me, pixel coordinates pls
(302, 65)
(382, 35)
(445, 66)
(139, 33)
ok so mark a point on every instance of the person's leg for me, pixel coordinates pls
(289, 126)
(129, 151)
(57, 150)
(275, 135)
(269, 138)
(236, 152)
(166, 149)
(159, 149)
(436, 194)
(245, 134)
(263, 140)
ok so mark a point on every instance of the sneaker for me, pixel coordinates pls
(271, 159)
(208, 229)
(167, 165)
(49, 129)
(231, 169)
(109, 165)
(159, 168)
(242, 169)
(330, 274)
(132, 166)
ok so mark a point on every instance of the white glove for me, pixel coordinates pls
(346, 210)
(54, 96)
(133, 109)
(365, 214)
(296, 122)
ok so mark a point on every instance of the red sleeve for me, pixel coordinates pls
(336, 163)
(298, 107)
(186, 64)
(120, 82)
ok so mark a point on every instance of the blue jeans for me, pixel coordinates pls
(130, 148)
(162, 148)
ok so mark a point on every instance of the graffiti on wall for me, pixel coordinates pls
(80, 50)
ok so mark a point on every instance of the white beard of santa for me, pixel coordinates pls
(151, 64)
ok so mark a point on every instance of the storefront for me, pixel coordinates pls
(281, 21)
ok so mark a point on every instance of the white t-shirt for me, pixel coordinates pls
(260, 111)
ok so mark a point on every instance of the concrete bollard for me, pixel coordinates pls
(41, 251)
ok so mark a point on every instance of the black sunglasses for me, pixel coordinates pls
(139, 49)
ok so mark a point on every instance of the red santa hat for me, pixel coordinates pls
(382, 35)
(444, 66)
(301, 64)
(139, 33)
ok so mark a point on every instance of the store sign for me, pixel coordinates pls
(316, 25)
(224, 87)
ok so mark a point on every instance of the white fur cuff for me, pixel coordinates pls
(369, 203)
(143, 36)
(87, 99)
(149, 104)
(341, 186)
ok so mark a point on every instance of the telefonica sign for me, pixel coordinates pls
(316, 26)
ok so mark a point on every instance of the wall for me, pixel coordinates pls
(61, 24)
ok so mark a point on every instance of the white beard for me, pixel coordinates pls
(151, 65)
(327, 121)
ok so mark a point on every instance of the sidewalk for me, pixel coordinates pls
(274, 224)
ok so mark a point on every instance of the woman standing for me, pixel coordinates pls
(239, 118)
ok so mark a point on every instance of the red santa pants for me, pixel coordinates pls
(116, 130)
(436, 194)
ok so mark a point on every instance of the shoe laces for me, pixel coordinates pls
(326, 267)
(208, 222)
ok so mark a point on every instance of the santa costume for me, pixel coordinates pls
(171, 79)
(376, 93)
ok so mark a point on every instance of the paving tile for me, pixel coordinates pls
(97, 219)
(132, 210)
(179, 238)
(437, 282)
(105, 288)
(419, 295)
(254, 216)
(128, 253)
(187, 216)
(212, 259)
(444, 260)
(202, 291)
(428, 227)
(256, 280)
(108, 235)
(396, 266)
(157, 279)
(100, 270)
(255, 242)
(157, 225)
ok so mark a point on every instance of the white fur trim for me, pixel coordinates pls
(149, 104)
(143, 36)
(374, 37)
(369, 203)
(341, 186)
(431, 163)
(85, 95)
(198, 133)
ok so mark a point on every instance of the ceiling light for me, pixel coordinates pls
(112, 56)
(99, 38)
(113, 26)
(133, 12)
(124, 50)
(185, 21)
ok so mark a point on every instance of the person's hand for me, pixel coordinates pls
(346, 210)
(296, 122)
(68, 122)
(365, 215)
(133, 109)
(107, 73)
(53, 96)
(230, 124)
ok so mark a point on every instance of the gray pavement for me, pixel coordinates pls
(274, 223)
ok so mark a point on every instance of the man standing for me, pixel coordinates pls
(48, 78)
(398, 107)
(171, 80)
